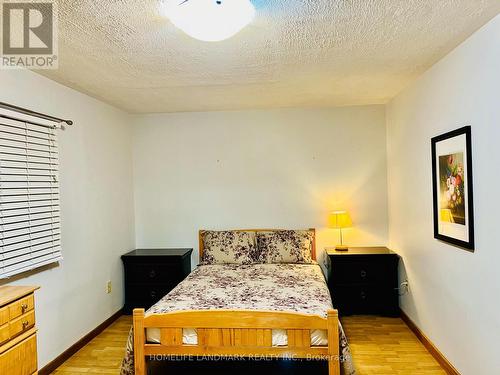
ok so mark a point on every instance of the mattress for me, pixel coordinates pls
(296, 288)
(273, 287)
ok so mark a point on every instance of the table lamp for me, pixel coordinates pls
(340, 220)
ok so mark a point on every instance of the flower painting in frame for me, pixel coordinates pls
(452, 188)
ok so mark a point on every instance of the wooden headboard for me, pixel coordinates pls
(313, 249)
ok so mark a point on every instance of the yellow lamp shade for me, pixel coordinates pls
(339, 220)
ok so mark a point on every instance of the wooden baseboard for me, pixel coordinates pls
(60, 359)
(438, 356)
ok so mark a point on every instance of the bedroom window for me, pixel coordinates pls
(30, 225)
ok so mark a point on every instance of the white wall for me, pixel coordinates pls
(454, 293)
(250, 169)
(97, 210)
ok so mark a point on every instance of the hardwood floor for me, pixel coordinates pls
(379, 346)
(387, 346)
(103, 355)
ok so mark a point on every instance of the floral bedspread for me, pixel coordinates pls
(276, 287)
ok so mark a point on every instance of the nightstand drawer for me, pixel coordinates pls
(152, 273)
(146, 295)
(365, 299)
(354, 271)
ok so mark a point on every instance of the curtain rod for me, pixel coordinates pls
(34, 113)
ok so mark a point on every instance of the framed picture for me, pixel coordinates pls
(452, 188)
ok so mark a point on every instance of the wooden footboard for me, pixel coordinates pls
(236, 333)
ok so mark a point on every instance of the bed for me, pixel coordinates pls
(269, 310)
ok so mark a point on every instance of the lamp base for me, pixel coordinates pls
(341, 248)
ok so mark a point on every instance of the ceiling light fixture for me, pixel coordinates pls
(210, 20)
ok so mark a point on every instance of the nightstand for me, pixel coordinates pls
(151, 273)
(364, 280)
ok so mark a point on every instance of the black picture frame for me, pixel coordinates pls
(470, 244)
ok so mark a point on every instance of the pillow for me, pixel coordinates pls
(229, 247)
(285, 246)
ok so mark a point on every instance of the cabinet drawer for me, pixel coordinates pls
(148, 294)
(4, 333)
(21, 324)
(21, 306)
(21, 359)
(363, 271)
(144, 296)
(4, 315)
(365, 299)
(152, 273)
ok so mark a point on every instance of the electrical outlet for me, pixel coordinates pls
(404, 287)
(108, 287)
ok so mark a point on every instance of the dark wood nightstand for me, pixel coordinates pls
(364, 280)
(151, 273)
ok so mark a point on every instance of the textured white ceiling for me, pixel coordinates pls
(309, 53)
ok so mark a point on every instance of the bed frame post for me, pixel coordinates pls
(333, 343)
(139, 341)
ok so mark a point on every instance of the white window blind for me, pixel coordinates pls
(30, 222)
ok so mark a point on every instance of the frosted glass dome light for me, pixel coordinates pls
(210, 20)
